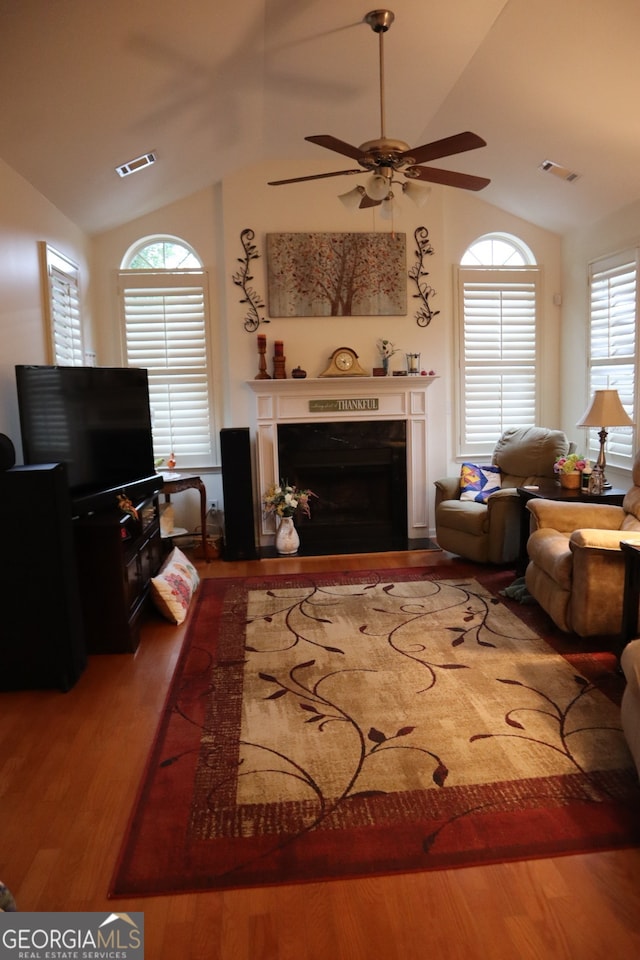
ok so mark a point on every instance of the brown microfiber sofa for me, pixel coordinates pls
(490, 532)
(576, 566)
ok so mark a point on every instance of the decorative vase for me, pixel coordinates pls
(385, 366)
(570, 481)
(287, 539)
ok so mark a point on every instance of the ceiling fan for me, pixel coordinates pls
(384, 157)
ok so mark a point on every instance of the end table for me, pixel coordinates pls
(176, 483)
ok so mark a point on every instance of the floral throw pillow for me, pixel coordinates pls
(478, 483)
(174, 586)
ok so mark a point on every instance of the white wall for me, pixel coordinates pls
(26, 217)
(212, 222)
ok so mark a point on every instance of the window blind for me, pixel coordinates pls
(165, 332)
(613, 346)
(63, 308)
(498, 354)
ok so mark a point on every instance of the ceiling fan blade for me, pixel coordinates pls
(447, 147)
(449, 178)
(315, 176)
(338, 146)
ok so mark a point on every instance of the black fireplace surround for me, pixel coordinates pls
(358, 469)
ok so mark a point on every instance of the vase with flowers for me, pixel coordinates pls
(386, 349)
(569, 470)
(282, 501)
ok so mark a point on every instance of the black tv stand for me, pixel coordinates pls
(95, 501)
(76, 586)
(117, 556)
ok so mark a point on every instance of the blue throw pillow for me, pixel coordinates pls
(478, 483)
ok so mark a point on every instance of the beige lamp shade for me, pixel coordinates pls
(605, 410)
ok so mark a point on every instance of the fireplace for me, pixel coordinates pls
(358, 470)
(398, 403)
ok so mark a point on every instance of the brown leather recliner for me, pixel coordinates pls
(490, 532)
(576, 566)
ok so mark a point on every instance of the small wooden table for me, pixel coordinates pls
(176, 483)
(551, 490)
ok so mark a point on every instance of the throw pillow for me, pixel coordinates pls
(174, 586)
(478, 483)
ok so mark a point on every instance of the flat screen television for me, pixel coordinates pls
(97, 421)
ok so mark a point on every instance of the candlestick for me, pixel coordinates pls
(262, 350)
(279, 371)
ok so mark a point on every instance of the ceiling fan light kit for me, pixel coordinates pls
(378, 186)
(383, 158)
(352, 198)
(387, 208)
(418, 193)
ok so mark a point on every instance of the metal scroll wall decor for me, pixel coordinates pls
(418, 274)
(242, 279)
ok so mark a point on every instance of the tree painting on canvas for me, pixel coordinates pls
(336, 274)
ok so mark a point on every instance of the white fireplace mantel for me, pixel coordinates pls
(346, 399)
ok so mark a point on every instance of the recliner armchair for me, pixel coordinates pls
(576, 566)
(490, 532)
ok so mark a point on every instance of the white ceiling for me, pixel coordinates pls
(213, 88)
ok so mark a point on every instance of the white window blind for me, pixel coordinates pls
(62, 307)
(613, 346)
(497, 354)
(165, 318)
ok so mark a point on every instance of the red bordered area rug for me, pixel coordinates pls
(338, 725)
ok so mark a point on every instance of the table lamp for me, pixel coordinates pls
(605, 410)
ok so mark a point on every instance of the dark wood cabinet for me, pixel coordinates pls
(117, 555)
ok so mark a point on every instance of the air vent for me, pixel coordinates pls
(132, 166)
(558, 171)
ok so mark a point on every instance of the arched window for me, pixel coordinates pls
(165, 317)
(497, 250)
(498, 292)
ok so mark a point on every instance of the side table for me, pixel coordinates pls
(551, 490)
(176, 483)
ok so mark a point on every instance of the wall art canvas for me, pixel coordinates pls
(336, 274)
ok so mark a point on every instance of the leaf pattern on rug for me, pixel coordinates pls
(559, 717)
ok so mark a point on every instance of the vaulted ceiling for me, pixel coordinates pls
(213, 88)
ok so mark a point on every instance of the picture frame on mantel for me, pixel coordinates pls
(336, 274)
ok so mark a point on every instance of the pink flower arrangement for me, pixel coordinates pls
(571, 464)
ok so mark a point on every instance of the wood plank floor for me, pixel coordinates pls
(70, 765)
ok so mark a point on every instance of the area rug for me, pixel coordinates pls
(349, 724)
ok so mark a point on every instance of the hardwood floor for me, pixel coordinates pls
(70, 765)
